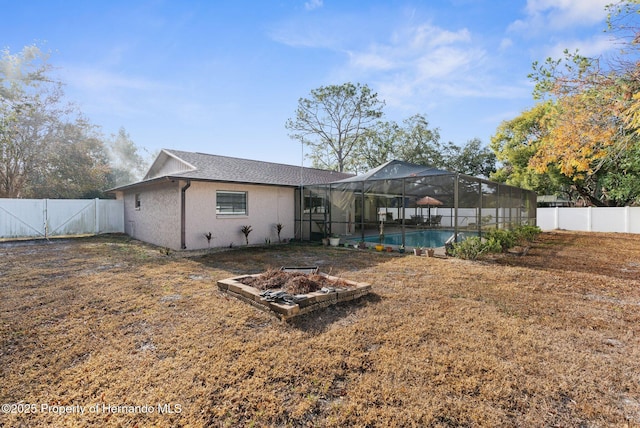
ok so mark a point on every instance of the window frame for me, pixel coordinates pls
(233, 212)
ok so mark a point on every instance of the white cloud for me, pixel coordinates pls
(591, 47)
(100, 90)
(371, 61)
(505, 44)
(542, 15)
(414, 48)
(446, 62)
(571, 11)
(420, 62)
(313, 4)
(102, 80)
(414, 66)
(305, 34)
(430, 36)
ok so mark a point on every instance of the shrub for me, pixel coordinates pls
(473, 247)
(492, 245)
(505, 238)
(526, 233)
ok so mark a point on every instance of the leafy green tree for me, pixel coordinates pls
(581, 140)
(413, 141)
(471, 159)
(515, 143)
(622, 183)
(420, 144)
(26, 100)
(47, 149)
(416, 142)
(333, 121)
(378, 146)
(77, 165)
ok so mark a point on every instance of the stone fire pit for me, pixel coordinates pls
(286, 304)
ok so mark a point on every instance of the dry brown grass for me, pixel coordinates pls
(549, 339)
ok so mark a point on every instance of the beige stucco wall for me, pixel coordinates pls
(266, 206)
(157, 221)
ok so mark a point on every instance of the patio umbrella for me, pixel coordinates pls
(428, 201)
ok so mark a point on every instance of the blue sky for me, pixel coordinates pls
(223, 77)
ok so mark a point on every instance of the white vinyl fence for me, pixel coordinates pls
(590, 219)
(44, 218)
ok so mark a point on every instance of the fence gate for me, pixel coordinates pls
(22, 217)
(44, 218)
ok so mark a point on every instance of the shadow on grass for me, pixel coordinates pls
(611, 255)
(321, 320)
(257, 259)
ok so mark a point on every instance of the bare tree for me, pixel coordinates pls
(333, 120)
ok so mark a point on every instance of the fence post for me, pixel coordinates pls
(626, 219)
(96, 217)
(589, 222)
(556, 218)
(45, 215)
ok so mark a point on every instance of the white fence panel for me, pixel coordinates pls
(110, 213)
(590, 219)
(70, 217)
(42, 218)
(546, 218)
(634, 220)
(609, 219)
(22, 217)
(576, 219)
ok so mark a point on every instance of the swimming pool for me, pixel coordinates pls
(419, 238)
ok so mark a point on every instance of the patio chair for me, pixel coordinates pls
(415, 219)
(435, 220)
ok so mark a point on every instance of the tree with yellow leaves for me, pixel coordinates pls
(587, 130)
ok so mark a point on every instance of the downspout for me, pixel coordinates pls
(183, 215)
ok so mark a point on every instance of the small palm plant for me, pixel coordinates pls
(279, 228)
(246, 230)
(209, 236)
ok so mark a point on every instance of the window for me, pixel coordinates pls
(137, 203)
(314, 204)
(231, 203)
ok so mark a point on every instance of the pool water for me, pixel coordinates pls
(420, 238)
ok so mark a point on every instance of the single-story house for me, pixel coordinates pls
(185, 195)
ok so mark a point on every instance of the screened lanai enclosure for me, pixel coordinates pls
(403, 204)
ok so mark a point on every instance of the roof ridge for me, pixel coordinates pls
(255, 160)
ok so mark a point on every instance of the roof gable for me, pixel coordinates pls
(201, 166)
(166, 163)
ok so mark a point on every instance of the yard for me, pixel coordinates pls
(106, 331)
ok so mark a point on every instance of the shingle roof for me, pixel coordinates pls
(207, 167)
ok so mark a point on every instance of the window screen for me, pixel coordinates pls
(231, 203)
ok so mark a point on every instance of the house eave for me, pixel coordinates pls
(171, 178)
